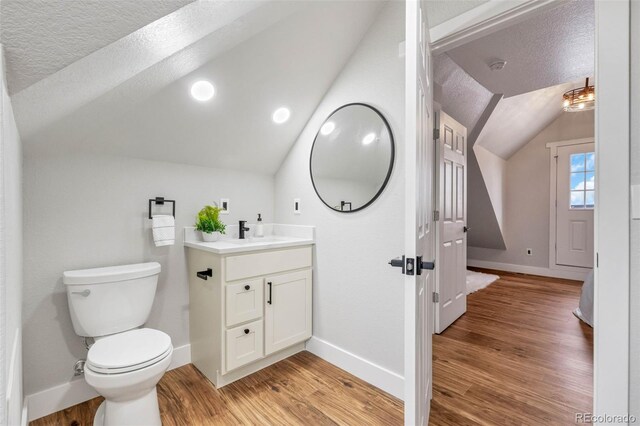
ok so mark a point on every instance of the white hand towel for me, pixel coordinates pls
(164, 230)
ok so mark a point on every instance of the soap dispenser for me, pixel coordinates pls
(259, 231)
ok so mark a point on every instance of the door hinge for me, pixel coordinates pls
(436, 134)
(597, 260)
(436, 297)
(436, 215)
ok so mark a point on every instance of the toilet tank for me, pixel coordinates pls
(110, 300)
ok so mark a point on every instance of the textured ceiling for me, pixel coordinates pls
(292, 62)
(41, 37)
(459, 95)
(439, 11)
(549, 49)
(518, 119)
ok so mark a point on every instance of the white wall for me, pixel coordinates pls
(494, 173)
(11, 261)
(358, 298)
(526, 220)
(84, 211)
(634, 367)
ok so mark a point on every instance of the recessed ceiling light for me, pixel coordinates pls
(327, 128)
(281, 115)
(202, 91)
(369, 138)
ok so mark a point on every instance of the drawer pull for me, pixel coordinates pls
(270, 284)
(247, 287)
(246, 331)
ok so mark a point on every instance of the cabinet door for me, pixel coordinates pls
(243, 301)
(244, 344)
(287, 310)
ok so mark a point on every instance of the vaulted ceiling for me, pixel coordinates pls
(41, 37)
(131, 97)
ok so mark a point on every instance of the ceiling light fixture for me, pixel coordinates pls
(497, 65)
(281, 115)
(202, 90)
(580, 99)
(368, 139)
(327, 128)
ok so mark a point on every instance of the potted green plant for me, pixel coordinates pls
(209, 224)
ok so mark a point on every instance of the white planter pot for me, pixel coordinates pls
(211, 237)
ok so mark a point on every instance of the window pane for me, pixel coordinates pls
(577, 162)
(591, 199)
(591, 161)
(591, 180)
(577, 199)
(577, 181)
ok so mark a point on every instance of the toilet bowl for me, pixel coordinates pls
(126, 362)
(125, 369)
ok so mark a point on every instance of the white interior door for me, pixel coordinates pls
(419, 233)
(575, 201)
(451, 294)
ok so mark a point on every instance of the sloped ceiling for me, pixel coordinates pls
(518, 119)
(552, 48)
(41, 37)
(151, 115)
(458, 93)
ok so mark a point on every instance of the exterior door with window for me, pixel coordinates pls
(575, 201)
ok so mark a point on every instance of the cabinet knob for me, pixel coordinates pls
(247, 287)
(246, 331)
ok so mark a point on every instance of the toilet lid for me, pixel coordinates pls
(128, 351)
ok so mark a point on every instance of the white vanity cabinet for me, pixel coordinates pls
(254, 309)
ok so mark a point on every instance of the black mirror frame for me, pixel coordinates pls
(391, 160)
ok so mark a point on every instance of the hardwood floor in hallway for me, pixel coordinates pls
(518, 356)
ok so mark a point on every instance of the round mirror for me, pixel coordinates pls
(352, 157)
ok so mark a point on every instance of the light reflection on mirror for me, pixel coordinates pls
(352, 157)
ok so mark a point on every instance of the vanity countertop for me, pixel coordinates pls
(276, 236)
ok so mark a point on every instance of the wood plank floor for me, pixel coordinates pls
(518, 356)
(302, 389)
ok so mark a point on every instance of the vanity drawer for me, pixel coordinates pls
(266, 263)
(243, 301)
(244, 344)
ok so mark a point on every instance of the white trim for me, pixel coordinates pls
(553, 195)
(569, 142)
(366, 370)
(77, 391)
(611, 308)
(485, 19)
(530, 270)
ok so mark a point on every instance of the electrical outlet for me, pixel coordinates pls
(224, 205)
(529, 252)
(296, 206)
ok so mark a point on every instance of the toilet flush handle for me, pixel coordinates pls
(84, 293)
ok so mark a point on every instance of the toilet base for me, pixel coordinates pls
(140, 411)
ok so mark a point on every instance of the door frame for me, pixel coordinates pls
(612, 227)
(572, 272)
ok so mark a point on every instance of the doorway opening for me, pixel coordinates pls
(516, 196)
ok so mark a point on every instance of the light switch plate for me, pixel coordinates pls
(224, 205)
(635, 202)
(296, 206)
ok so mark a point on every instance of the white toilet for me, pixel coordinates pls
(125, 363)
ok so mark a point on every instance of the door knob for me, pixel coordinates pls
(398, 262)
(204, 274)
(247, 287)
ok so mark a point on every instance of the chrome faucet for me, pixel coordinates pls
(242, 229)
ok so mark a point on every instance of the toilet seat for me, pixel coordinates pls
(128, 351)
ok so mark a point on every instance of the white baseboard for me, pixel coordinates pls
(531, 270)
(77, 391)
(374, 374)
